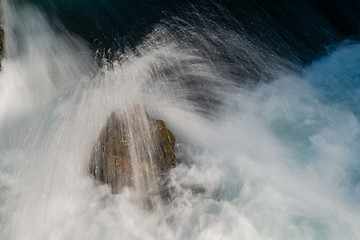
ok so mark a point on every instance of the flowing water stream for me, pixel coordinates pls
(276, 158)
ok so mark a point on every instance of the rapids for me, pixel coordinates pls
(268, 150)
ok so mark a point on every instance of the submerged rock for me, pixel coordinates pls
(133, 150)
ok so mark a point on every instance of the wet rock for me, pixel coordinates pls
(133, 150)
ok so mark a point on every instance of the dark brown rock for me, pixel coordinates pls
(133, 150)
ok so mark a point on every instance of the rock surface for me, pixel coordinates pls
(133, 150)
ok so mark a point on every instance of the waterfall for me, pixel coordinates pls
(267, 148)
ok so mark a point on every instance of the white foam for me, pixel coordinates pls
(274, 163)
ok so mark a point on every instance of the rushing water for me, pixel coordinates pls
(277, 159)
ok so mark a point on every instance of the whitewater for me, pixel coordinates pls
(276, 158)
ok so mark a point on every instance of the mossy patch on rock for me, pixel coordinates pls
(133, 150)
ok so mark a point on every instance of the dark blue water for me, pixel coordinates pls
(298, 31)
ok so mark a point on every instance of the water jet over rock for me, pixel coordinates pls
(133, 150)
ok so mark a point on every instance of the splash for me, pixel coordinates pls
(274, 160)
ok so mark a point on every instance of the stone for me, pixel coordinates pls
(133, 150)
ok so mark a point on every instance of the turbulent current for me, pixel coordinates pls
(269, 149)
